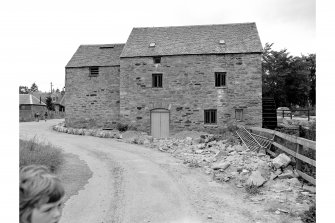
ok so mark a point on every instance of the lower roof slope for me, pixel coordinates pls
(28, 99)
(96, 55)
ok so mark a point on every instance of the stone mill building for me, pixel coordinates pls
(168, 79)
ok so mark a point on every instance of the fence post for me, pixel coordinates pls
(297, 161)
(308, 114)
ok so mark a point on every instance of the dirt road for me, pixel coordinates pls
(132, 183)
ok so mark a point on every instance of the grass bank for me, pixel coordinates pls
(73, 172)
(34, 152)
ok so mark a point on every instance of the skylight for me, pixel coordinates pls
(106, 47)
(222, 41)
(152, 44)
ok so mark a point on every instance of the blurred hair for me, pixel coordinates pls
(37, 186)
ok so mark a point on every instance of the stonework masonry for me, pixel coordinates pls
(188, 89)
(92, 101)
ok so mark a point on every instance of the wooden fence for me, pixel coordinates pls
(292, 145)
(290, 113)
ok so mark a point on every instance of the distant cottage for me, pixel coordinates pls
(168, 79)
(29, 105)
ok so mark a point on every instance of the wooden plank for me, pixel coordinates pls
(270, 152)
(306, 143)
(261, 129)
(307, 177)
(296, 155)
(165, 125)
(286, 137)
(298, 162)
(283, 148)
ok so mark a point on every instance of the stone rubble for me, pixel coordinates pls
(256, 179)
(227, 160)
(281, 161)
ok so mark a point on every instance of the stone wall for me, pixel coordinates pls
(92, 101)
(189, 89)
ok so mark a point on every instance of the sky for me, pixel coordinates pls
(40, 37)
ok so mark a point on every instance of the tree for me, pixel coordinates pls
(50, 104)
(23, 90)
(311, 64)
(289, 80)
(297, 85)
(275, 68)
(33, 87)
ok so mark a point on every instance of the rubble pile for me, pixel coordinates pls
(226, 160)
(233, 163)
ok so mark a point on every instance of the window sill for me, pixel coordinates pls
(221, 87)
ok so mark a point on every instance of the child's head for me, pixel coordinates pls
(41, 195)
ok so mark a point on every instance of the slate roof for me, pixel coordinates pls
(62, 101)
(200, 39)
(96, 55)
(42, 95)
(28, 99)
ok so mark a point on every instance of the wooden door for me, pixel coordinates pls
(160, 123)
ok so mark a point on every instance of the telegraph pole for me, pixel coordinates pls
(51, 87)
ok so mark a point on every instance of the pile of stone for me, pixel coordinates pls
(88, 132)
(227, 162)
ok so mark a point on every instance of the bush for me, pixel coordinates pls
(122, 127)
(308, 133)
(34, 152)
(252, 189)
(310, 215)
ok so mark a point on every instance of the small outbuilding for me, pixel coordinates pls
(29, 106)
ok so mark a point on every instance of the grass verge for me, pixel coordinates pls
(34, 152)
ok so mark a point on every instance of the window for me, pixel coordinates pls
(94, 71)
(157, 80)
(25, 107)
(210, 116)
(157, 60)
(239, 114)
(220, 79)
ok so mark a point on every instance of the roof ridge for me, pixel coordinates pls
(226, 24)
(119, 44)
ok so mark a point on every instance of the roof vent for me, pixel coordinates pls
(106, 47)
(152, 44)
(222, 41)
